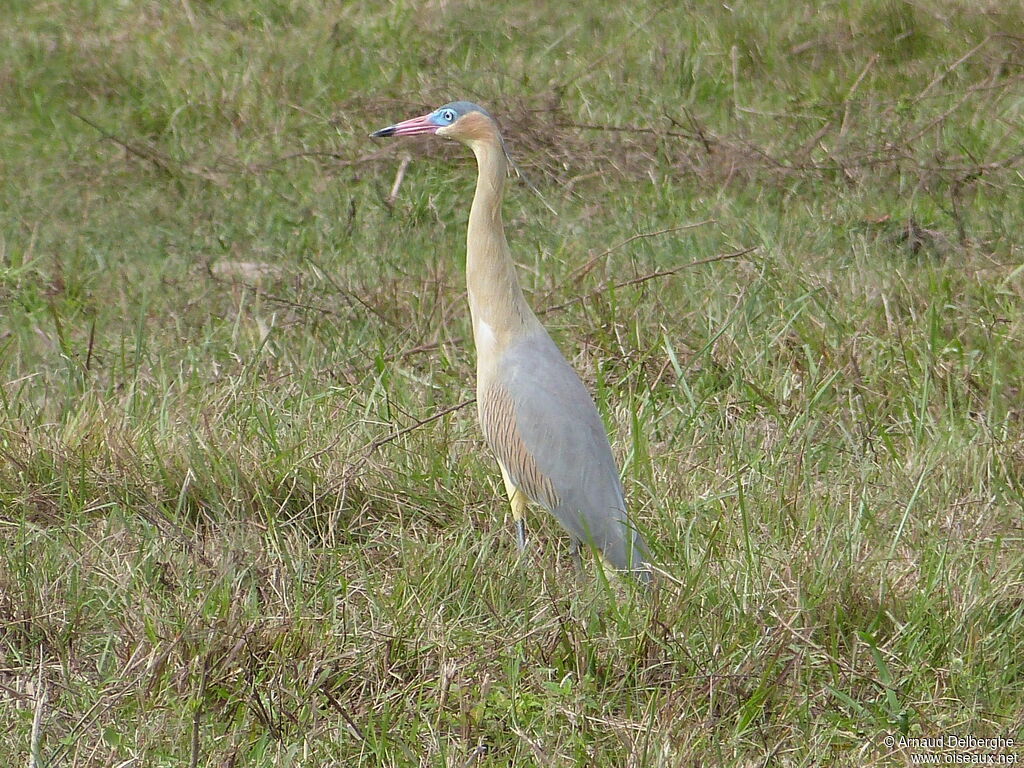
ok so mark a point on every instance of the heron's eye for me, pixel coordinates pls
(448, 115)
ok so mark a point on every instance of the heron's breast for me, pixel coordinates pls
(501, 430)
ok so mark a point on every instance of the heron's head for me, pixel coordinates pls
(460, 120)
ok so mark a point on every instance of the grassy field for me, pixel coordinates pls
(246, 514)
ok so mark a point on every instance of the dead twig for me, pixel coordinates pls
(667, 272)
(399, 176)
(34, 757)
(635, 129)
(160, 161)
(354, 467)
(577, 274)
(942, 75)
(193, 761)
(349, 297)
(148, 154)
(480, 750)
(938, 120)
(650, 276)
(734, 59)
(373, 446)
(849, 94)
(701, 133)
(538, 753)
(351, 368)
(343, 160)
(276, 299)
(352, 727)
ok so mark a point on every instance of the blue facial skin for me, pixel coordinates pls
(449, 113)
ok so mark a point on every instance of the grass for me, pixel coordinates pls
(234, 532)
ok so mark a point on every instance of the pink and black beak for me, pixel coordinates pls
(414, 127)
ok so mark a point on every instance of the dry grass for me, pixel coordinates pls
(247, 517)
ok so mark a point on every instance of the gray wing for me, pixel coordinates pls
(542, 424)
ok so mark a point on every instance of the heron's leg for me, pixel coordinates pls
(574, 552)
(517, 500)
(518, 505)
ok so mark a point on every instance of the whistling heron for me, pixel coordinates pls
(537, 417)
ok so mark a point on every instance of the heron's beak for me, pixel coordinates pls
(413, 127)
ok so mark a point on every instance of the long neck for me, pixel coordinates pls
(495, 297)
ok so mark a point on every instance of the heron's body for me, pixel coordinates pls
(536, 415)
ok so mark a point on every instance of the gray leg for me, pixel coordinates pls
(517, 501)
(521, 534)
(574, 552)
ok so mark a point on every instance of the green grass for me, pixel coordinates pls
(232, 534)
